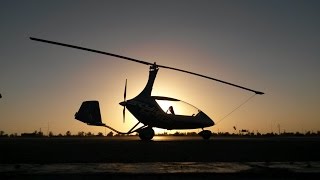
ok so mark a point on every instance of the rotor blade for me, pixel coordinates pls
(91, 50)
(196, 74)
(142, 62)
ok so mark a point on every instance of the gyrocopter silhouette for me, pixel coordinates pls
(145, 107)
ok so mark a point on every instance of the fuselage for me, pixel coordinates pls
(146, 110)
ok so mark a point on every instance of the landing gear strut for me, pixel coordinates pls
(205, 134)
(146, 134)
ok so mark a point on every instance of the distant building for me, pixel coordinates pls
(34, 134)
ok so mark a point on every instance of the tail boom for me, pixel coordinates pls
(89, 113)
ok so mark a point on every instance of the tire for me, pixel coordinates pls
(205, 134)
(146, 134)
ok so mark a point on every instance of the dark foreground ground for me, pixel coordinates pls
(162, 149)
(163, 158)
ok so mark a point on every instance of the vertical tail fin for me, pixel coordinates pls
(89, 113)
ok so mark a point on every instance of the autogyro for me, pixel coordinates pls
(145, 107)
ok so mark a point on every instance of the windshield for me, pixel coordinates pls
(177, 107)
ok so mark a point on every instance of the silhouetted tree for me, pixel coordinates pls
(191, 134)
(13, 135)
(51, 134)
(110, 134)
(258, 134)
(2, 134)
(297, 134)
(100, 134)
(68, 133)
(89, 134)
(81, 133)
(40, 133)
(178, 134)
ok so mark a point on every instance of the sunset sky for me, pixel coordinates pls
(271, 46)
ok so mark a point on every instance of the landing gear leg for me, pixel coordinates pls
(146, 134)
(205, 134)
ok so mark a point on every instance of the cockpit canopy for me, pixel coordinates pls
(176, 106)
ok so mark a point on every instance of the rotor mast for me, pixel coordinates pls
(153, 66)
(152, 76)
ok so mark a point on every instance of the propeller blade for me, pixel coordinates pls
(124, 114)
(125, 91)
(143, 62)
(125, 100)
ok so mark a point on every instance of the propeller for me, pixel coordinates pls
(125, 102)
(144, 62)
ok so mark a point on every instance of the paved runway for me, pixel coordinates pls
(162, 149)
(162, 170)
(163, 158)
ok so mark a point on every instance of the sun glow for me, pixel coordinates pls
(178, 107)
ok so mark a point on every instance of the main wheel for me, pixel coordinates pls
(205, 134)
(146, 134)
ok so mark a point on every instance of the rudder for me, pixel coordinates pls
(89, 113)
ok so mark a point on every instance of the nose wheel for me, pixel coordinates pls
(205, 134)
(146, 134)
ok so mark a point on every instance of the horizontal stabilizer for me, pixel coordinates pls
(89, 113)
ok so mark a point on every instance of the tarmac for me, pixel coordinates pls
(167, 157)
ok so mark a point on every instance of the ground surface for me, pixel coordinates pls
(162, 149)
(164, 157)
